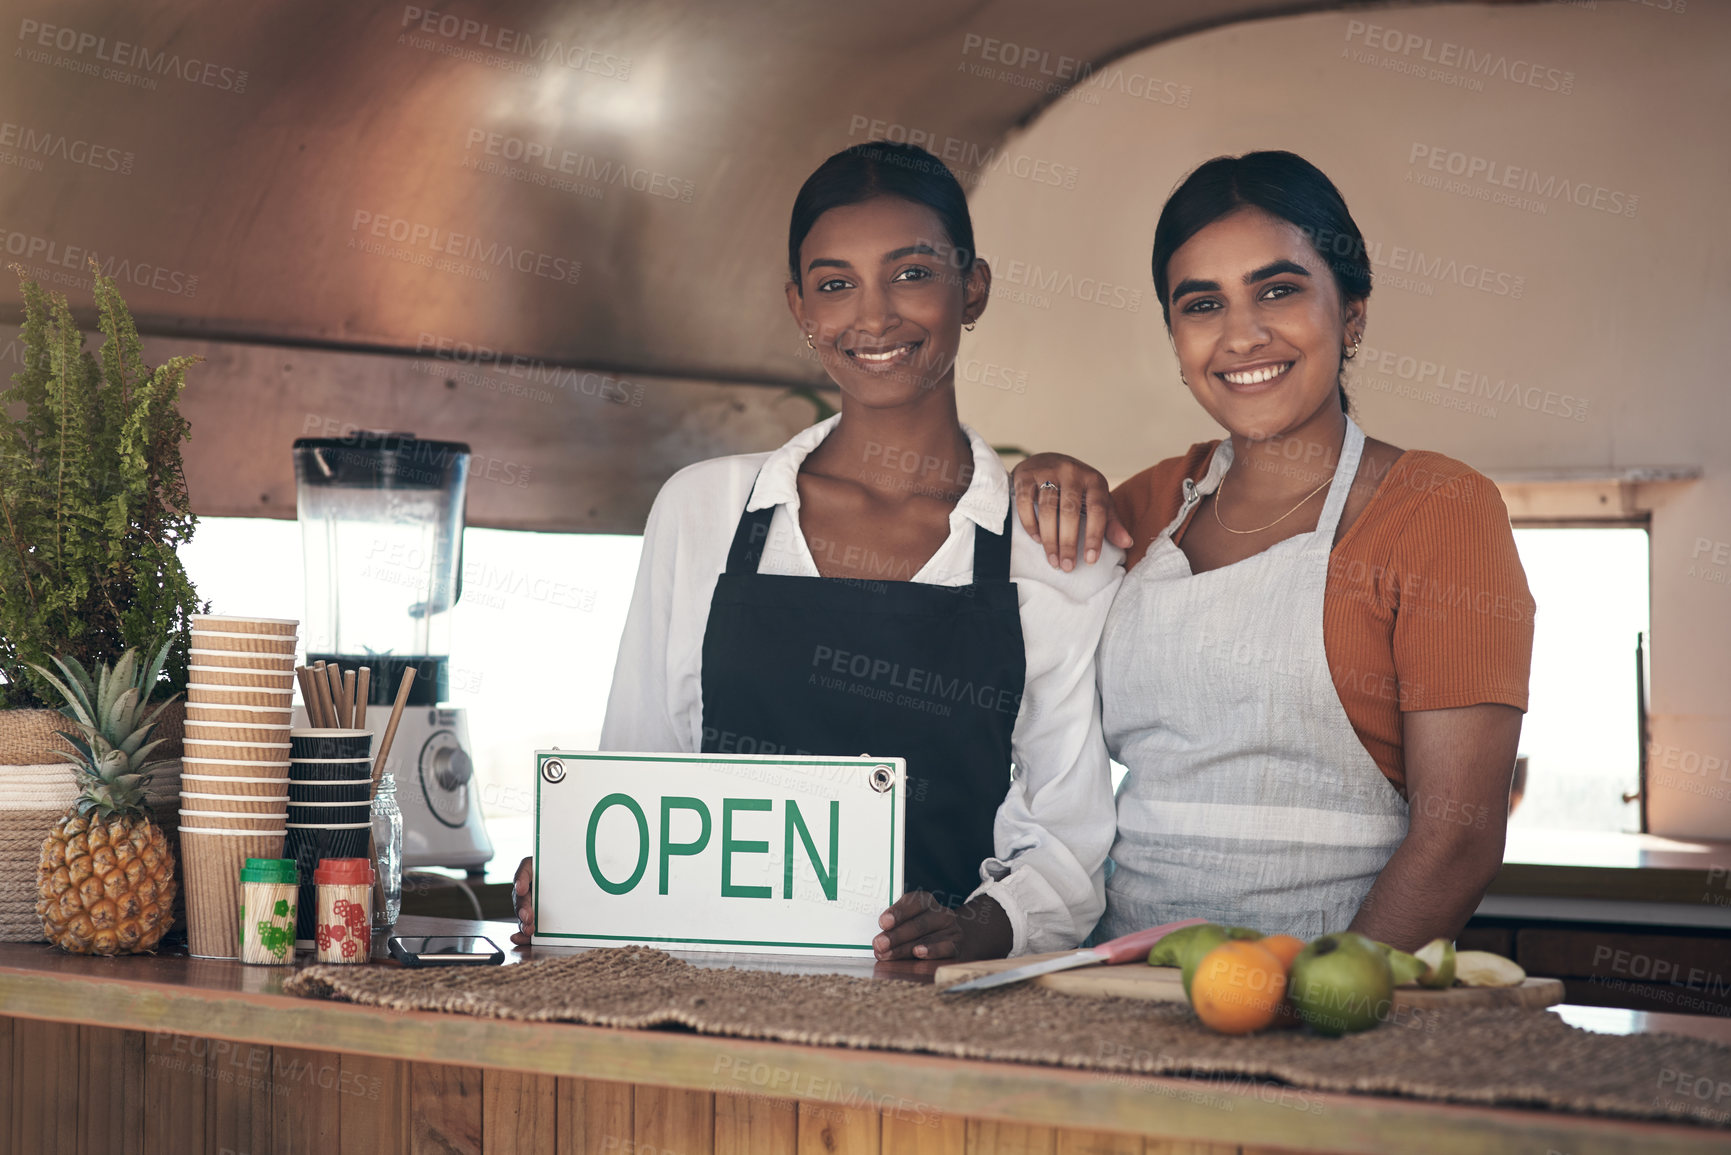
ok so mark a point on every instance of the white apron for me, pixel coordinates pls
(1249, 801)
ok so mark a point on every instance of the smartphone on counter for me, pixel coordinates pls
(445, 950)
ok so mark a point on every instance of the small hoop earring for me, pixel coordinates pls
(1352, 349)
(970, 326)
(809, 343)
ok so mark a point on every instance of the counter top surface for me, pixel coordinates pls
(174, 968)
(172, 995)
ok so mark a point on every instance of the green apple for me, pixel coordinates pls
(1480, 968)
(1438, 957)
(1169, 951)
(1405, 969)
(1341, 983)
(1172, 950)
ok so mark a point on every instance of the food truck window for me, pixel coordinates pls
(536, 631)
(1580, 737)
(533, 638)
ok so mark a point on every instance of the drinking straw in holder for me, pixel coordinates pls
(391, 727)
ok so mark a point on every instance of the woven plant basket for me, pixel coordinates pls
(35, 792)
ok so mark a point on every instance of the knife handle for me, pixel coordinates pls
(1135, 947)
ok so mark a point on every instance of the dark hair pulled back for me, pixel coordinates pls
(883, 168)
(1282, 184)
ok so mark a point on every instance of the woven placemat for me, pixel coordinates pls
(1511, 1057)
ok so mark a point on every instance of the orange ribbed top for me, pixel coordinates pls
(1426, 606)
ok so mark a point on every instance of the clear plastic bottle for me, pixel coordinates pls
(387, 854)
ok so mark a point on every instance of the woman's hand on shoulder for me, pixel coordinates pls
(1059, 501)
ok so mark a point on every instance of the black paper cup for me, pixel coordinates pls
(331, 770)
(330, 791)
(325, 815)
(330, 743)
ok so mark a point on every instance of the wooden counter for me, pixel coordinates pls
(173, 1055)
(1688, 882)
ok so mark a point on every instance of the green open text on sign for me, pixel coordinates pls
(716, 851)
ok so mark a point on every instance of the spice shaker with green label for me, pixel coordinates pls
(269, 888)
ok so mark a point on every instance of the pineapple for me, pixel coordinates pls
(105, 883)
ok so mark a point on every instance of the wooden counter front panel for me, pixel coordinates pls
(67, 1089)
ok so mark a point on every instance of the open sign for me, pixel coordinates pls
(722, 852)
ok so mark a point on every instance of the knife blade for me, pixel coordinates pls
(1127, 948)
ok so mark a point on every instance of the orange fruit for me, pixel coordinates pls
(1284, 946)
(1238, 988)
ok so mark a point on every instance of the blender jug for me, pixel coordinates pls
(381, 519)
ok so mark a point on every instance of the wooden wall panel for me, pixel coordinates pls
(176, 1082)
(44, 1088)
(1098, 1143)
(595, 1117)
(238, 1099)
(8, 1101)
(826, 1129)
(666, 1119)
(111, 1091)
(445, 1103)
(554, 449)
(306, 1093)
(750, 1125)
(988, 1137)
(520, 1112)
(373, 1106)
(923, 1131)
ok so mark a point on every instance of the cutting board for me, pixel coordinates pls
(1163, 984)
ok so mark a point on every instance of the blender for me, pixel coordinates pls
(381, 518)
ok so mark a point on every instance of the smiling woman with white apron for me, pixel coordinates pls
(1315, 669)
(1251, 800)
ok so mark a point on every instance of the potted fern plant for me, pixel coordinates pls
(93, 507)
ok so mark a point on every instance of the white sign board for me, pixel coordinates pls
(722, 852)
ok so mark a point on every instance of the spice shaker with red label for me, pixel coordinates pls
(345, 921)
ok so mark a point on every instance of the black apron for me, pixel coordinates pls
(844, 666)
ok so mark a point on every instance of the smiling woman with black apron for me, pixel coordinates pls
(777, 648)
(858, 590)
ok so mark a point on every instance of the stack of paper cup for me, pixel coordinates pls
(234, 785)
(330, 806)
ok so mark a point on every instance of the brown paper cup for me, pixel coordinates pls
(203, 694)
(213, 788)
(267, 753)
(240, 715)
(234, 820)
(252, 678)
(243, 660)
(279, 644)
(251, 733)
(227, 780)
(196, 804)
(212, 862)
(229, 624)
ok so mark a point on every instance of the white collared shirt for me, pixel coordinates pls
(1057, 821)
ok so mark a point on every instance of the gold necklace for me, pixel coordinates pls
(1220, 492)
